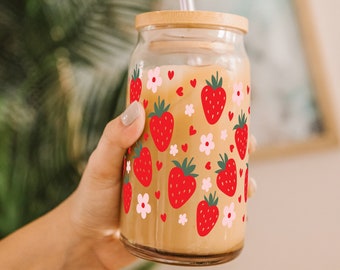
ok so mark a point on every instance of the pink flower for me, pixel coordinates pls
(206, 184)
(154, 80)
(238, 95)
(229, 215)
(182, 219)
(143, 207)
(207, 144)
(189, 110)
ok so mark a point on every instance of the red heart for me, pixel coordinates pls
(192, 131)
(185, 147)
(241, 172)
(179, 91)
(244, 218)
(171, 74)
(157, 194)
(193, 83)
(163, 217)
(240, 198)
(208, 165)
(145, 103)
(232, 148)
(146, 136)
(248, 89)
(231, 115)
(249, 110)
(159, 165)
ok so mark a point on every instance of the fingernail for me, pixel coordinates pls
(252, 187)
(253, 144)
(131, 113)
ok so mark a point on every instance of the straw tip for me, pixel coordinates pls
(187, 5)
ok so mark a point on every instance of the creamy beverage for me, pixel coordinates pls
(186, 179)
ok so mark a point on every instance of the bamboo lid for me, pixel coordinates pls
(191, 19)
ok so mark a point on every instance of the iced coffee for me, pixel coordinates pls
(185, 183)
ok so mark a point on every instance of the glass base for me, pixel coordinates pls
(160, 256)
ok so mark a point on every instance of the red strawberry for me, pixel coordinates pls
(246, 185)
(161, 125)
(227, 176)
(213, 98)
(207, 214)
(181, 183)
(142, 165)
(135, 86)
(127, 194)
(241, 135)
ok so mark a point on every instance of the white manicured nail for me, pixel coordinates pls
(131, 113)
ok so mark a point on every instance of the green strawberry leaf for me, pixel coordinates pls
(242, 121)
(135, 74)
(159, 108)
(212, 200)
(215, 81)
(186, 167)
(138, 149)
(222, 163)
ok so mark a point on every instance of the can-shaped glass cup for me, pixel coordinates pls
(184, 192)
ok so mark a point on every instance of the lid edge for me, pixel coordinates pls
(196, 18)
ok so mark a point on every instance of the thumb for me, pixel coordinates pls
(96, 204)
(105, 163)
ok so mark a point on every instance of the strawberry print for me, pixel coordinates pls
(127, 194)
(171, 74)
(227, 175)
(135, 86)
(207, 214)
(142, 165)
(229, 215)
(189, 110)
(246, 185)
(181, 183)
(241, 135)
(143, 206)
(213, 98)
(154, 79)
(161, 125)
(182, 219)
(238, 95)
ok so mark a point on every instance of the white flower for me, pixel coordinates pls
(229, 215)
(207, 144)
(206, 184)
(182, 219)
(154, 80)
(224, 134)
(238, 95)
(143, 206)
(128, 166)
(189, 110)
(173, 150)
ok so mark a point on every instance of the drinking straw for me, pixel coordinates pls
(187, 4)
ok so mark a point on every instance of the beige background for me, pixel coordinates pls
(294, 219)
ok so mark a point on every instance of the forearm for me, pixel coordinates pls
(46, 243)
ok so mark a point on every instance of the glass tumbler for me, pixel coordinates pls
(184, 192)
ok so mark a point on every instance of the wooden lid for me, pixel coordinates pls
(191, 19)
